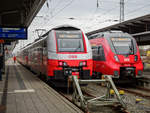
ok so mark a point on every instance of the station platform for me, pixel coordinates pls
(22, 92)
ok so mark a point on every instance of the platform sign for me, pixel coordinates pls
(13, 33)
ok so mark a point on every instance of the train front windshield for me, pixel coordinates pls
(123, 46)
(69, 41)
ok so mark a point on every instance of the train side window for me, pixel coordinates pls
(45, 43)
(44, 47)
(101, 54)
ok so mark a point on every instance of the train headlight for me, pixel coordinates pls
(62, 64)
(65, 64)
(135, 58)
(84, 63)
(116, 58)
(139, 72)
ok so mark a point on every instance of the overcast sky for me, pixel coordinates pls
(84, 13)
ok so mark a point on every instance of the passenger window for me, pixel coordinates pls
(44, 47)
(45, 43)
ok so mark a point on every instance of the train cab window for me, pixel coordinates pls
(123, 46)
(100, 52)
(70, 41)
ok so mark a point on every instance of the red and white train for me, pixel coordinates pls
(63, 51)
(116, 53)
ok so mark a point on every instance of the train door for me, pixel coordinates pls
(94, 52)
(99, 59)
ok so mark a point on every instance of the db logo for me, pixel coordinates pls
(126, 59)
(72, 56)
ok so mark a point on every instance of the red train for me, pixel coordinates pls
(63, 51)
(117, 54)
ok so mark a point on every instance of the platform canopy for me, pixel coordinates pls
(17, 14)
(15, 18)
(138, 27)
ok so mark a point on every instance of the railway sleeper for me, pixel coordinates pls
(107, 99)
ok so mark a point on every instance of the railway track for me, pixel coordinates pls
(109, 109)
(143, 81)
(69, 98)
(91, 103)
(131, 97)
(139, 91)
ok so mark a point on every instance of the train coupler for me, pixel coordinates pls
(105, 100)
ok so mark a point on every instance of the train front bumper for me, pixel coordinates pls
(63, 74)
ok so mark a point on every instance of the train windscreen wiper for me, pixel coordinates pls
(131, 47)
(131, 50)
(76, 49)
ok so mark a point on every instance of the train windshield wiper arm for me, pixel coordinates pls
(76, 49)
(131, 50)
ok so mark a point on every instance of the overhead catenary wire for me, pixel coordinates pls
(62, 9)
(49, 11)
(56, 13)
(103, 14)
(61, 5)
(137, 9)
(126, 14)
(57, 4)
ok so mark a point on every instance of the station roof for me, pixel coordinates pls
(137, 27)
(133, 26)
(18, 13)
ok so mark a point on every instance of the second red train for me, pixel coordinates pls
(117, 54)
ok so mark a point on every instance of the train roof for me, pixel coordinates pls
(30, 44)
(64, 27)
(61, 27)
(109, 34)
